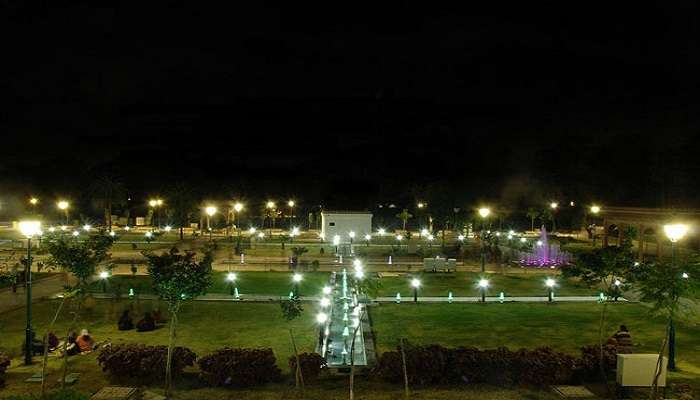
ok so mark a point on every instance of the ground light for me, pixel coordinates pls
(416, 284)
(483, 285)
(550, 284)
(231, 279)
(685, 275)
(29, 229)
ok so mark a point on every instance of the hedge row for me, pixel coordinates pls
(141, 361)
(434, 364)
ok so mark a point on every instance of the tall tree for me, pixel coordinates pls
(109, 192)
(182, 203)
(533, 214)
(178, 277)
(404, 216)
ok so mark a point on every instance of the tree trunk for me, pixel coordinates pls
(65, 351)
(601, 361)
(182, 233)
(298, 376)
(46, 347)
(171, 345)
(405, 371)
(654, 391)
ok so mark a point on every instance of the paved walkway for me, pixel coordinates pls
(42, 289)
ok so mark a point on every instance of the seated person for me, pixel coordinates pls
(622, 337)
(84, 342)
(125, 322)
(53, 341)
(146, 323)
(72, 345)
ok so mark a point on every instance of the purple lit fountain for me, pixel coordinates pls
(544, 254)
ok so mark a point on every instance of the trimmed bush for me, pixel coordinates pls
(428, 365)
(4, 363)
(239, 367)
(588, 366)
(141, 361)
(312, 364)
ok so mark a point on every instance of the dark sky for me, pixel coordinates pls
(348, 105)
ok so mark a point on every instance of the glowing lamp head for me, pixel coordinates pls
(484, 212)
(33, 201)
(357, 263)
(550, 283)
(460, 238)
(336, 239)
(127, 228)
(483, 283)
(523, 240)
(381, 231)
(511, 232)
(296, 278)
(351, 234)
(325, 302)
(63, 227)
(415, 282)
(252, 229)
(231, 276)
(152, 203)
(399, 237)
(112, 233)
(261, 235)
(359, 274)
(431, 237)
(104, 275)
(321, 318)
(76, 233)
(238, 207)
(63, 205)
(539, 243)
(510, 236)
(29, 228)
(424, 232)
(322, 236)
(291, 203)
(685, 275)
(210, 210)
(167, 228)
(421, 205)
(52, 229)
(675, 232)
(595, 209)
(617, 282)
(553, 205)
(368, 236)
(87, 227)
(149, 235)
(270, 204)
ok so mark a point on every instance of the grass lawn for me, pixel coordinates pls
(563, 326)
(464, 284)
(36, 276)
(267, 283)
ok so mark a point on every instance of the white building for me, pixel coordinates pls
(344, 224)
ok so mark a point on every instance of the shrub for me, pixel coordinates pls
(239, 367)
(312, 364)
(588, 365)
(141, 361)
(4, 363)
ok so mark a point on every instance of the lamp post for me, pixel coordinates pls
(271, 212)
(415, 282)
(29, 229)
(296, 278)
(237, 208)
(33, 202)
(484, 213)
(104, 275)
(63, 205)
(674, 233)
(368, 237)
(321, 319)
(553, 206)
(483, 285)
(550, 283)
(291, 204)
(210, 211)
(594, 210)
(231, 279)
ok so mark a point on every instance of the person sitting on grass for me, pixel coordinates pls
(146, 324)
(125, 322)
(71, 345)
(85, 342)
(621, 338)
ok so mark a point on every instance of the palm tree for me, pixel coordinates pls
(532, 214)
(109, 192)
(404, 216)
(182, 202)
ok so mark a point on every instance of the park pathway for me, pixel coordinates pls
(45, 288)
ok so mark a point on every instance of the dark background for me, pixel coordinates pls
(349, 106)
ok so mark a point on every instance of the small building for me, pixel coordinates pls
(342, 223)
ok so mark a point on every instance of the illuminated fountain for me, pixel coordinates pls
(544, 254)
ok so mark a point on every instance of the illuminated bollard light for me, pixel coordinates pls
(502, 297)
(449, 297)
(398, 298)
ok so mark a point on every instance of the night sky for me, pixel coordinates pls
(347, 106)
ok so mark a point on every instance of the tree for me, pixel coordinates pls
(297, 253)
(533, 214)
(610, 270)
(404, 216)
(182, 202)
(109, 192)
(178, 277)
(669, 288)
(292, 309)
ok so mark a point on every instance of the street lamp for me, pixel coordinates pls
(87, 227)
(336, 243)
(271, 207)
(237, 208)
(321, 319)
(104, 275)
(327, 290)
(351, 235)
(594, 210)
(553, 205)
(484, 212)
(63, 206)
(381, 231)
(674, 233)
(231, 279)
(368, 237)
(460, 238)
(291, 204)
(33, 201)
(296, 278)
(550, 283)
(483, 285)
(29, 229)
(325, 302)
(415, 282)
(210, 211)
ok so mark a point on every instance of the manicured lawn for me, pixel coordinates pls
(562, 326)
(266, 283)
(465, 284)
